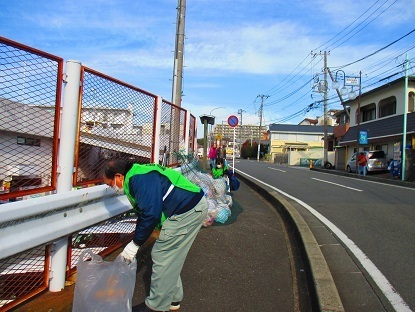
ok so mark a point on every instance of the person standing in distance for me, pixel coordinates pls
(362, 162)
(212, 156)
(162, 196)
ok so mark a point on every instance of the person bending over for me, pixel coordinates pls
(162, 197)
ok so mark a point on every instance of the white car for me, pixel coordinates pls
(376, 161)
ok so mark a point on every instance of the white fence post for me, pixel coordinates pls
(195, 137)
(187, 133)
(157, 125)
(68, 132)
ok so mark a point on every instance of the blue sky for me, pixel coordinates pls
(235, 51)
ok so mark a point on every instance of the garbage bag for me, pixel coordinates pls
(234, 183)
(223, 215)
(104, 286)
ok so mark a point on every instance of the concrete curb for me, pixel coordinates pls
(323, 290)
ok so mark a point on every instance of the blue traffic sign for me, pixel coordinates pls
(233, 121)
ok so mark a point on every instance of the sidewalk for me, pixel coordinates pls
(246, 264)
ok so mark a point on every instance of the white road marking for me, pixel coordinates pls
(384, 285)
(277, 169)
(370, 181)
(351, 188)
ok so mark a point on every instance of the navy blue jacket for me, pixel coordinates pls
(148, 190)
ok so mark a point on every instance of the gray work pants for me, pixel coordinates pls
(169, 253)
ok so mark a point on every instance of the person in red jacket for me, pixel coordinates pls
(362, 162)
(212, 156)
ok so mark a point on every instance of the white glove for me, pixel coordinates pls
(129, 252)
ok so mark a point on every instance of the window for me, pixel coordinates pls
(382, 148)
(367, 112)
(376, 154)
(310, 138)
(89, 125)
(282, 136)
(342, 120)
(387, 107)
(411, 101)
(28, 141)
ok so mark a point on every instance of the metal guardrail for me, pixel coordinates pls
(30, 228)
(49, 218)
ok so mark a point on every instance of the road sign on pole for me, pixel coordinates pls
(233, 121)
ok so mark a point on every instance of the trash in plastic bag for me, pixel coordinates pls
(104, 286)
(215, 191)
(234, 183)
(223, 214)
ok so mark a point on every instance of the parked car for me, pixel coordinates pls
(376, 161)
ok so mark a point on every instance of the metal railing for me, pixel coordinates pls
(30, 96)
(41, 237)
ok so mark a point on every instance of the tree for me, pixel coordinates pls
(252, 151)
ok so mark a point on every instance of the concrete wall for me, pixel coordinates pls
(295, 156)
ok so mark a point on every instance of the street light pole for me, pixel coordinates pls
(351, 81)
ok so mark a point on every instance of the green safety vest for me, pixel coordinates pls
(175, 177)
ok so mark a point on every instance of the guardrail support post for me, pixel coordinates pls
(68, 133)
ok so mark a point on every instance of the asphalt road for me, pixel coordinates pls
(375, 221)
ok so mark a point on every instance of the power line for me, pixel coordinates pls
(348, 26)
(363, 26)
(377, 51)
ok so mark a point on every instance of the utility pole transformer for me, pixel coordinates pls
(178, 54)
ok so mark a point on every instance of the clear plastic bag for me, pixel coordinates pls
(104, 286)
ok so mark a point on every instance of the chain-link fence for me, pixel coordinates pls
(23, 276)
(192, 135)
(27, 274)
(115, 120)
(29, 119)
(172, 134)
(103, 238)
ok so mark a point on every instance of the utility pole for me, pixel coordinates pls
(260, 122)
(405, 119)
(240, 111)
(325, 92)
(178, 54)
(177, 88)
